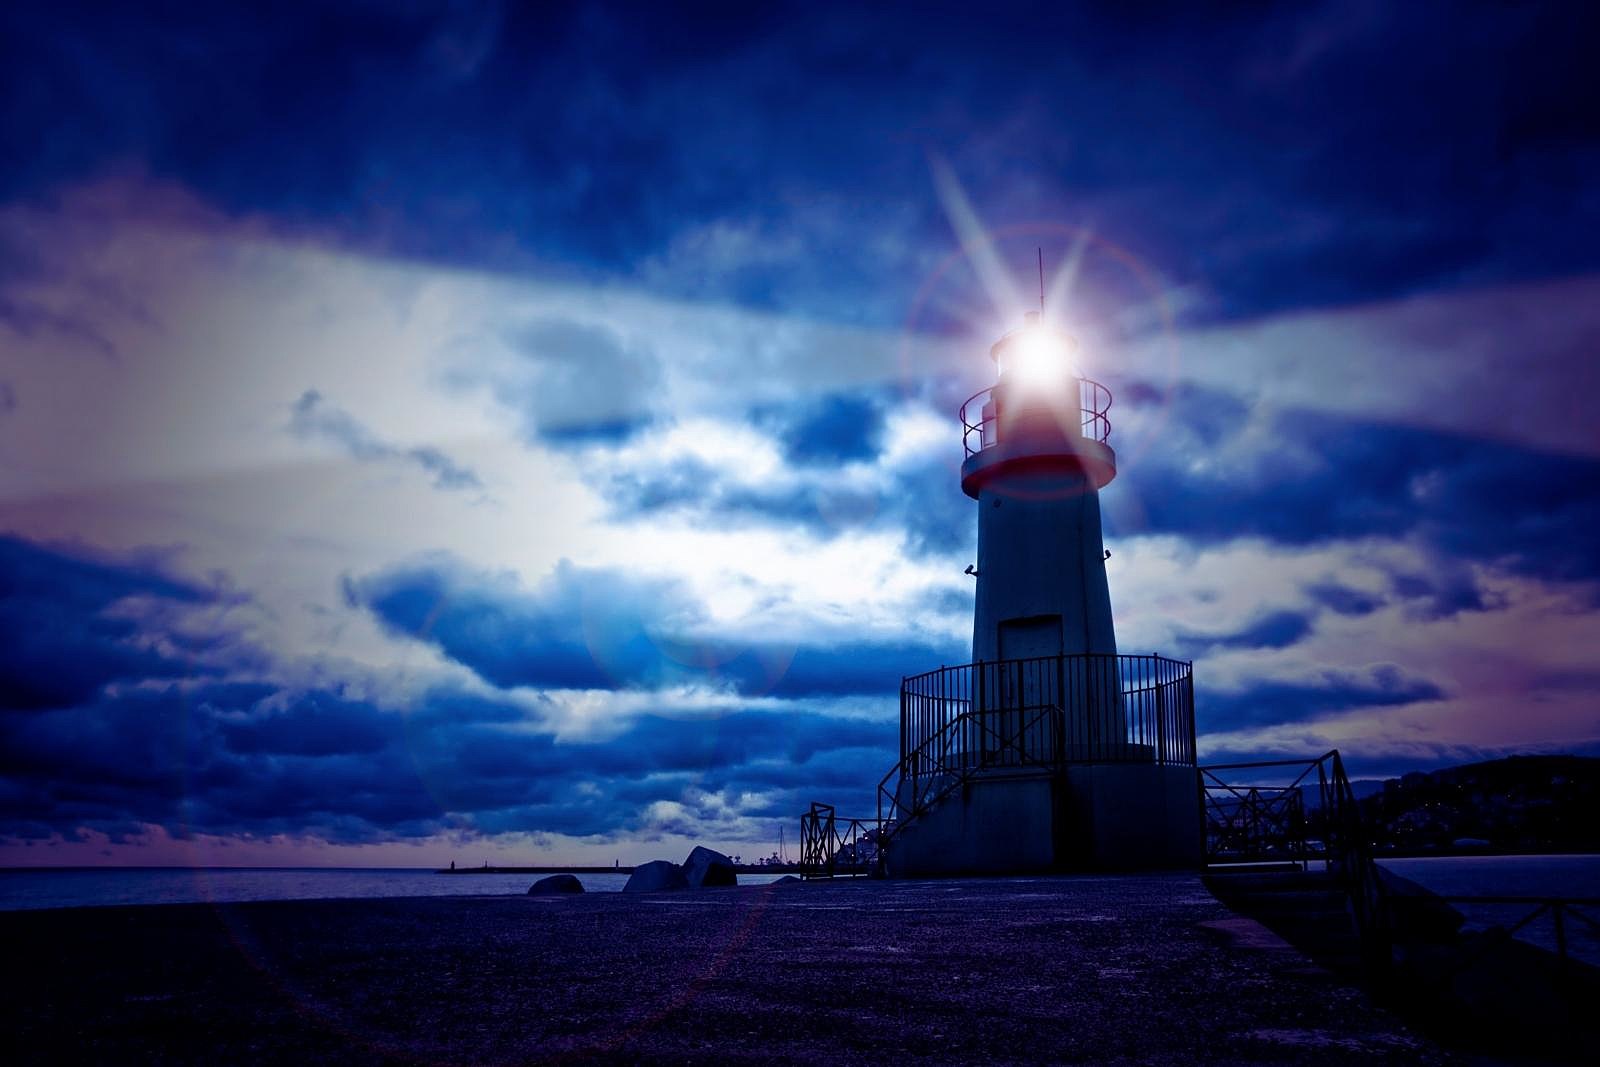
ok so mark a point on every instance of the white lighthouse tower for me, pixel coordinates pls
(1050, 751)
(1037, 460)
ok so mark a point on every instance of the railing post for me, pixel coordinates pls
(1188, 708)
(1161, 717)
(903, 724)
(1058, 718)
(980, 708)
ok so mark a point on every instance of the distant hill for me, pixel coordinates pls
(1517, 804)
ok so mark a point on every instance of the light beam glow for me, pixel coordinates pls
(1040, 359)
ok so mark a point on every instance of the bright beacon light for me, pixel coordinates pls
(1040, 359)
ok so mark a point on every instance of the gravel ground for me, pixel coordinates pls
(1146, 969)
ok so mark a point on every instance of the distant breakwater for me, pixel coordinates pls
(747, 868)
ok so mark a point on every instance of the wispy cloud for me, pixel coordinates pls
(314, 418)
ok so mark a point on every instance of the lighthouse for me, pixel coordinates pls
(1051, 750)
(1037, 458)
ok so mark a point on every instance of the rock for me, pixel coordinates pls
(655, 877)
(707, 867)
(787, 879)
(556, 883)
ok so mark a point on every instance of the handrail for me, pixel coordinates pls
(1116, 708)
(1348, 855)
(822, 841)
(1017, 718)
(949, 777)
(1094, 407)
(822, 844)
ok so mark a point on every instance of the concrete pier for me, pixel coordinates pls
(1084, 969)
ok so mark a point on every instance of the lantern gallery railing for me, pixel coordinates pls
(1047, 711)
(980, 427)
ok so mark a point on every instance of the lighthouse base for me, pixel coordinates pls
(1086, 817)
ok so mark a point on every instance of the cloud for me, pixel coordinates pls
(671, 146)
(585, 628)
(1277, 629)
(840, 464)
(314, 417)
(720, 366)
(234, 760)
(828, 431)
(193, 752)
(1343, 599)
(1221, 471)
(71, 625)
(567, 380)
(1315, 695)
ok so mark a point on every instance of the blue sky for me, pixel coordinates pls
(438, 432)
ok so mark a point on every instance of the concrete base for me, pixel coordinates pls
(1093, 816)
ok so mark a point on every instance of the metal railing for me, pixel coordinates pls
(1107, 709)
(924, 777)
(828, 848)
(980, 431)
(1562, 912)
(1247, 823)
(1255, 824)
(1251, 823)
(1012, 718)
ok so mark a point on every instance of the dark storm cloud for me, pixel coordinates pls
(1318, 694)
(314, 417)
(260, 758)
(579, 629)
(1328, 478)
(1447, 588)
(827, 431)
(61, 638)
(1284, 156)
(600, 629)
(221, 760)
(1277, 629)
(1344, 600)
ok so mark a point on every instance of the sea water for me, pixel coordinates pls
(1567, 877)
(72, 887)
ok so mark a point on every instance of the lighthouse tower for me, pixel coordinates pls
(1049, 751)
(1037, 460)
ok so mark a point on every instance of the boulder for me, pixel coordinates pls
(707, 867)
(655, 877)
(556, 883)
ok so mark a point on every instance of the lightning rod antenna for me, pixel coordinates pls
(1041, 281)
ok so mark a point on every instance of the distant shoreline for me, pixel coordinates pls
(777, 868)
